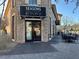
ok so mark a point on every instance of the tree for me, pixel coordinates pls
(66, 20)
(2, 2)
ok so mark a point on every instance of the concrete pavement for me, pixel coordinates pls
(50, 50)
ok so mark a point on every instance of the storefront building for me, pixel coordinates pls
(29, 20)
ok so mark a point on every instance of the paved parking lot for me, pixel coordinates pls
(51, 50)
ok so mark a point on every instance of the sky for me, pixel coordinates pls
(64, 9)
(0, 10)
(67, 11)
(1, 7)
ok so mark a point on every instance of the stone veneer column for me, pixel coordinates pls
(45, 29)
(20, 23)
(20, 30)
(45, 22)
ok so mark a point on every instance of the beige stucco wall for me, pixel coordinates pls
(8, 21)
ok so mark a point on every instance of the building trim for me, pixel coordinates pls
(5, 7)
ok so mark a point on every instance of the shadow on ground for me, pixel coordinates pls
(35, 47)
(56, 40)
(31, 48)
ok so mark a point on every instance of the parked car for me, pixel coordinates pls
(69, 36)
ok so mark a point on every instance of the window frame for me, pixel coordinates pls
(33, 3)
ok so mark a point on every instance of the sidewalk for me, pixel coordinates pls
(31, 48)
(54, 49)
(55, 40)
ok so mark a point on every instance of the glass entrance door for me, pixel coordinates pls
(36, 31)
(28, 31)
(33, 31)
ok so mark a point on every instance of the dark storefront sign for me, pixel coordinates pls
(32, 11)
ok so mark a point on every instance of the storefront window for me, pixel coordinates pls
(33, 2)
(29, 30)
